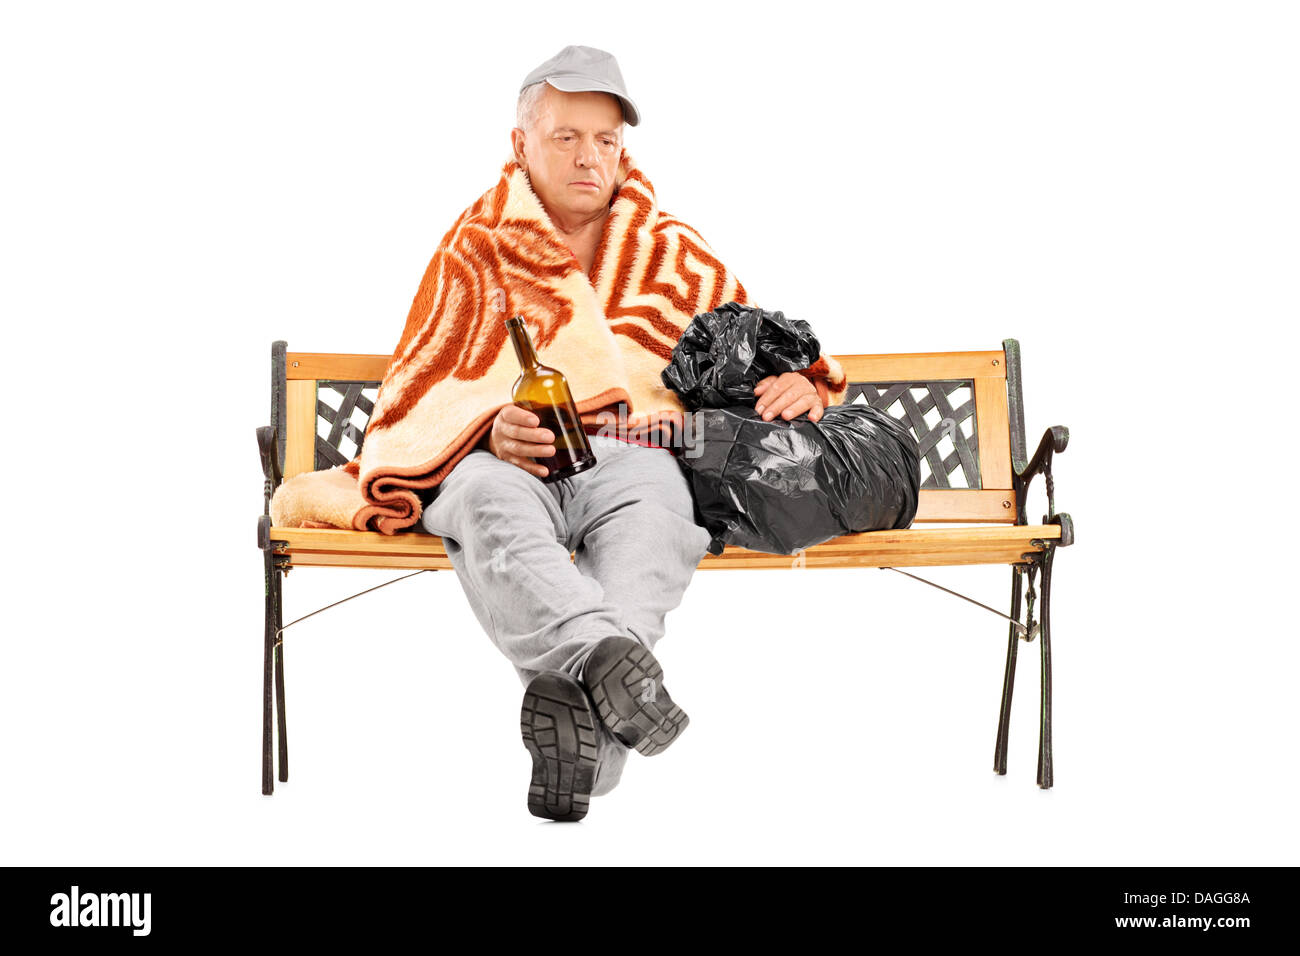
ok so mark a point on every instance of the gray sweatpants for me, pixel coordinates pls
(629, 522)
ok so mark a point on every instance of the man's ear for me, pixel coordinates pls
(517, 147)
(620, 173)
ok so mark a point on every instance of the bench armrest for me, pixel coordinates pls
(270, 464)
(1054, 440)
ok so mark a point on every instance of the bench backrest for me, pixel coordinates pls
(964, 409)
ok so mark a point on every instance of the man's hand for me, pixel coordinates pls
(516, 438)
(788, 395)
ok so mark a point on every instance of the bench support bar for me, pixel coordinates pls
(1044, 632)
(1045, 656)
(273, 669)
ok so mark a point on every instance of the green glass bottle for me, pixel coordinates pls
(544, 391)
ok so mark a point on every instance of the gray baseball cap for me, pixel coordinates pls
(577, 69)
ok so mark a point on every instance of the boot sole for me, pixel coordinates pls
(626, 685)
(558, 726)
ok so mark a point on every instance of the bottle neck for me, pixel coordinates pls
(522, 342)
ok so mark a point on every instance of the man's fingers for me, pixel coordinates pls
(780, 398)
(799, 405)
(770, 395)
(533, 468)
(519, 441)
(521, 433)
(529, 436)
(528, 465)
(520, 423)
(525, 449)
(518, 415)
(776, 398)
(790, 404)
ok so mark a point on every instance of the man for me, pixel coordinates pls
(580, 631)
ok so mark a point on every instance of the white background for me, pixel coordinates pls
(1113, 184)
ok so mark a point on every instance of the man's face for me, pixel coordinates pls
(572, 153)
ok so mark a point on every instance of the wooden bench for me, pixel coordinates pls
(964, 408)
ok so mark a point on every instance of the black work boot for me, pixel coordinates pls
(626, 685)
(559, 728)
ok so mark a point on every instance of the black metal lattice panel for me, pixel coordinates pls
(343, 410)
(941, 417)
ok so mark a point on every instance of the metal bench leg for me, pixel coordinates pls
(279, 679)
(276, 567)
(1045, 709)
(271, 588)
(1008, 679)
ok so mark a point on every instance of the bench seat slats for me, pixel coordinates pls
(913, 547)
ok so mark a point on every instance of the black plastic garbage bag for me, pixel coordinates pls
(723, 354)
(780, 486)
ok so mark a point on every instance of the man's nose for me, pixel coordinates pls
(587, 155)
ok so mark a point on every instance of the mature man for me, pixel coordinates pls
(571, 239)
(580, 632)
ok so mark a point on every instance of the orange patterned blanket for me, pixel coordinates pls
(610, 333)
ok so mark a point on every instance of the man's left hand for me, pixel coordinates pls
(788, 394)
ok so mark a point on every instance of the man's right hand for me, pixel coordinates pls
(516, 438)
